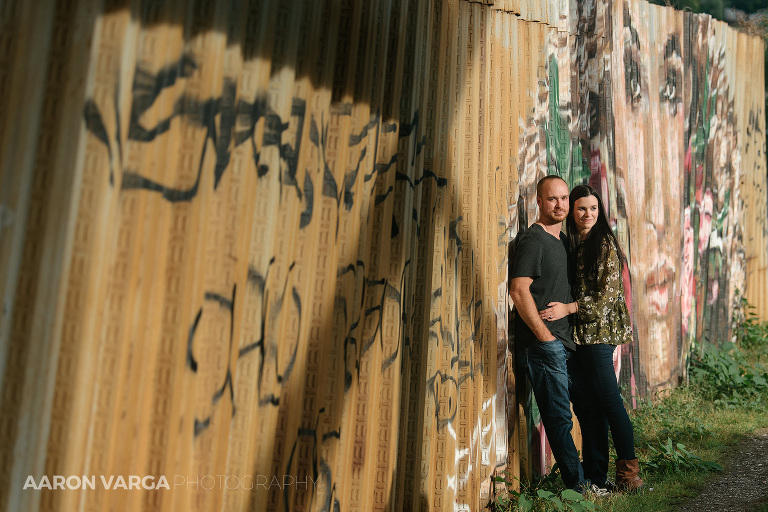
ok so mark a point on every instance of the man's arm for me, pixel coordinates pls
(520, 291)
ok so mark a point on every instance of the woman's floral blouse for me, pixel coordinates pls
(603, 315)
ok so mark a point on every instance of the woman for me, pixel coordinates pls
(602, 323)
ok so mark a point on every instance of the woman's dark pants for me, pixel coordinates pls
(598, 405)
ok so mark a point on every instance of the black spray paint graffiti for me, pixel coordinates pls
(258, 282)
(95, 124)
(462, 364)
(319, 467)
(386, 292)
(228, 122)
(223, 119)
(345, 194)
(319, 137)
(228, 304)
(350, 339)
(350, 310)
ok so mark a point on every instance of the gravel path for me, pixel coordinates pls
(743, 486)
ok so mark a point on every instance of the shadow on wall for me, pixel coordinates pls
(274, 271)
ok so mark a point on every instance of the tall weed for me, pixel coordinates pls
(729, 377)
(733, 375)
(749, 332)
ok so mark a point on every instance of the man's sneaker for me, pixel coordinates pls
(597, 492)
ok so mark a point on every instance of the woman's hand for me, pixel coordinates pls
(557, 310)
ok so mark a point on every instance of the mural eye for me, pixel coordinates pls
(669, 92)
(635, 91)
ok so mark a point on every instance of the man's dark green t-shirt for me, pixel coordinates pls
(544, 258)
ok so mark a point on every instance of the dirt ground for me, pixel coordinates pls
(743, 486)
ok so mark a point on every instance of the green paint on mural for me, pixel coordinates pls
(558, 137)
(564, 156)
(723, 213)
(580, 173)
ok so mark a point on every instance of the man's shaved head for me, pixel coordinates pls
(544, 180)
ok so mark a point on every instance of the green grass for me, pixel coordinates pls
(682, 436)
(706, 430)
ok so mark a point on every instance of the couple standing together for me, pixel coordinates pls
(569, 294)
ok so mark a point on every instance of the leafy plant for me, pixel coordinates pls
(728, 377)
(674, 415)
(749, 332)
(675, 457)
(535, 498)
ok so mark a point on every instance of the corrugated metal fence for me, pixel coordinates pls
(256, 252)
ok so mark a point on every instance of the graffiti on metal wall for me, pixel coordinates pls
(596, 131)
(682, 117)
(341, 184)
(229, 123)
(714, 265)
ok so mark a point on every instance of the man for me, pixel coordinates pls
(540, 276)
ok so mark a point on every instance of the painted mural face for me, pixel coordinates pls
(653, 207)
(656, 251)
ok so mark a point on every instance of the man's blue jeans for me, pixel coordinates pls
(546, 364)
(598, 404)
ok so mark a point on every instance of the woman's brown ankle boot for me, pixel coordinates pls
(628, 475)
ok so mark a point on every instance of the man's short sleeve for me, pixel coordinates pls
(527, 258)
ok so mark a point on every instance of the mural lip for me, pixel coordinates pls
(657, 283)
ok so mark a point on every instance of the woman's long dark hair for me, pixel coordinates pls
(593, 244)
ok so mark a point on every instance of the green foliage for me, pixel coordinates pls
(674, 457)
(748, 6)
(660, 426)
(733, 375)
(674, 415)
(546, 494)
(750, 332)
(728, 377)
(716, 8)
